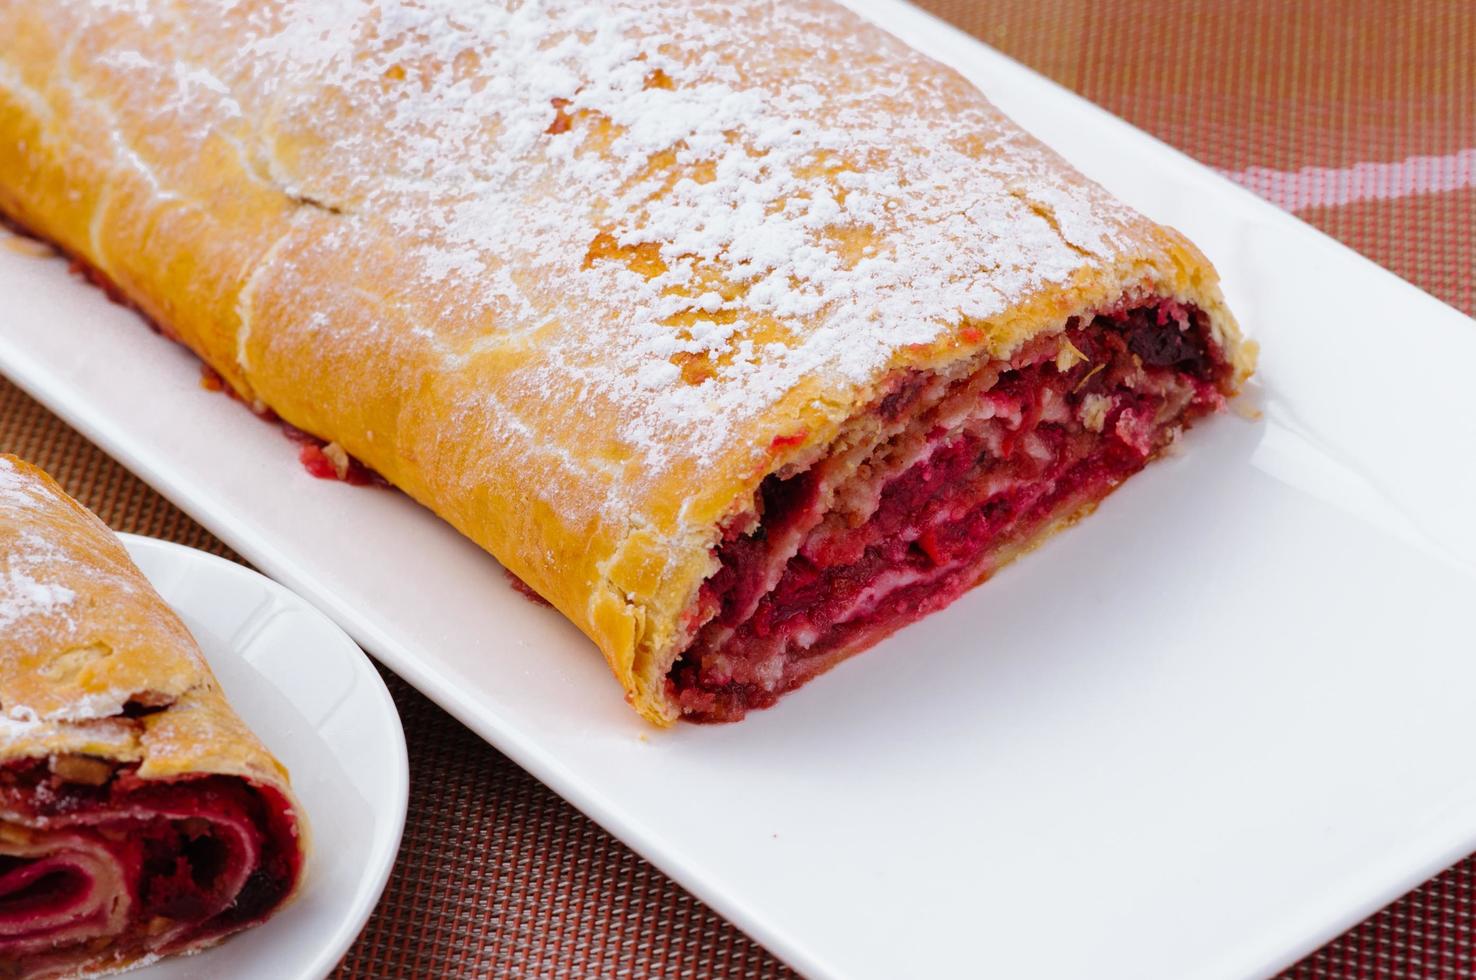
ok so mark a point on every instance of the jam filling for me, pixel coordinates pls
(961, 475)
(118, 867)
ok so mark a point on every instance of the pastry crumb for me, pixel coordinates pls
(338, 457)
(23, 245)
(1093, 411)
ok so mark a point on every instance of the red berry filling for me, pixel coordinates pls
(119, 866)
(963, 473)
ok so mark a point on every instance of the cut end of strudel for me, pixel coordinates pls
(948, 472)
(139, 817)
(743, 334)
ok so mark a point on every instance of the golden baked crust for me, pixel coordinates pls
(94, 664)
(85, 634)
(575, 277)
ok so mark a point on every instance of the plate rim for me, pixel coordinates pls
(383, 853)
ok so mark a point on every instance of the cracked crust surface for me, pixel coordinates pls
(575, 277)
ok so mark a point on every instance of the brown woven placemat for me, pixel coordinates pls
(499, 876)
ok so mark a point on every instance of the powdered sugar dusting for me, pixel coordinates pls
(11, 730)
(694, 206)
(16, 491)
(27, 593)
(89, 707)
(20, 718)
(22, 595)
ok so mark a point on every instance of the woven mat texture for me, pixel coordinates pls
(1359, 116)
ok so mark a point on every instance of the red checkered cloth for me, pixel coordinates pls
(1359, 116)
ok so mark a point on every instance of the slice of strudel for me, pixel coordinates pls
(139, 817)
(742, 333)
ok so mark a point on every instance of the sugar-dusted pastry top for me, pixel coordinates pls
(657, 197)
(577, 275)
(92, 661)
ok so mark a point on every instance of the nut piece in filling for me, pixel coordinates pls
(946, 479)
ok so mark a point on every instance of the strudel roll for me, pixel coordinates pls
(741, 332)
(139, 817)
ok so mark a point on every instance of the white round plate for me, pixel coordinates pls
(312, 696)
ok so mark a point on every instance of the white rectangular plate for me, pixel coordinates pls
(1199, 734)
